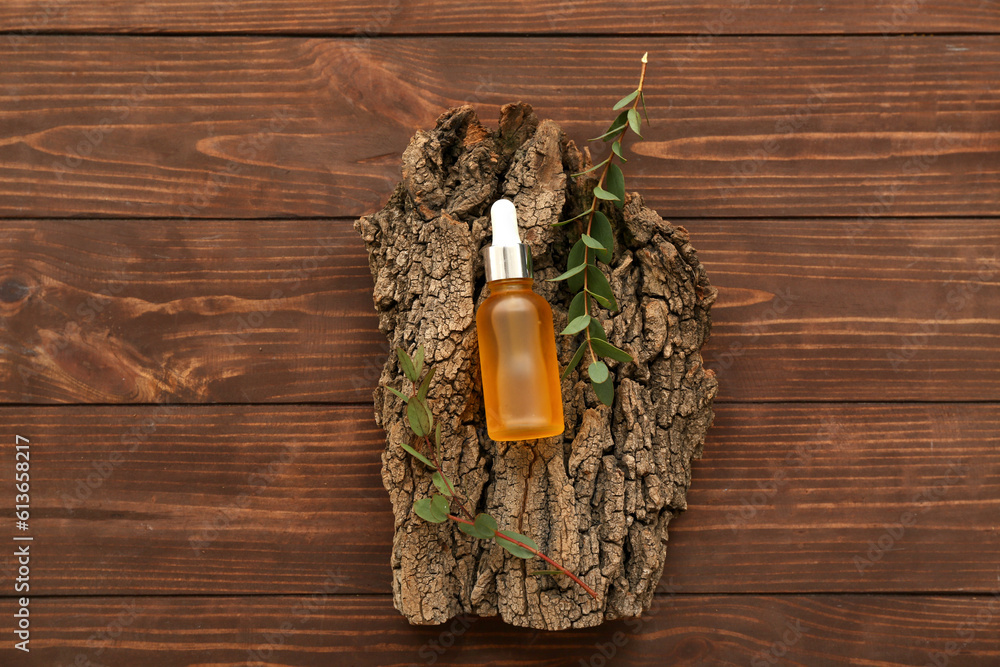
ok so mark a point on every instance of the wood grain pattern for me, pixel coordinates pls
(393, 17)
(151, 311)
(683, 630)
(853, 310)
(854, 161)
(255, 127)
(788, 498)
(280, 311)
(861, 497)
(238, 499)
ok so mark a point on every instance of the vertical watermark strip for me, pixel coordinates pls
(22, 543)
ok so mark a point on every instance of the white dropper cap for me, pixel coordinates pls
(507, 257)
(504, 217)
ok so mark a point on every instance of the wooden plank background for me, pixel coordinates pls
(394, 17)
(196, 127)
(187, 336)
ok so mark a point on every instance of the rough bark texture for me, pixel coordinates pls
(596, 499)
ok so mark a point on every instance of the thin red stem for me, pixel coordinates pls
(471, 522)
(538, 553)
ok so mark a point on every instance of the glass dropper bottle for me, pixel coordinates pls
(517, 345)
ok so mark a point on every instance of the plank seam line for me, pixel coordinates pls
(368, 404)
(345, 218)
(388, 596)
(388, 35)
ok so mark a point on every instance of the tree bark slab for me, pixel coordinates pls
(598, 498)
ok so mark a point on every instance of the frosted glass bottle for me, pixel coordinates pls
(517, 350)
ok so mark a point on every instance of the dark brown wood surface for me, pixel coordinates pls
(257, 311)
(187, 336)
(324, 628)
(287, 316)
(239, 127)
(165, 499)
(391, 17)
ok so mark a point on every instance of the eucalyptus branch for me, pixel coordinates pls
(438, 508)
(449, 488)
(506, 535)
(596, 243)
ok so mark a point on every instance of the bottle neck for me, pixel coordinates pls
(510, 285)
